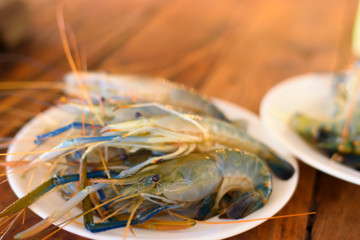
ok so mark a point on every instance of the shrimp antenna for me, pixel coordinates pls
(71, 61)
(248, 220)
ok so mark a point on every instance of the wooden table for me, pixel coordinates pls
(234, 50)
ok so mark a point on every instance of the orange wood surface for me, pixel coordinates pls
(230, 49)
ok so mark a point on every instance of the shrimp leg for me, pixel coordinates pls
(143, 216)
(75, 125)
(43, 189)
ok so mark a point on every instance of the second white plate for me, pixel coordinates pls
(306, 94)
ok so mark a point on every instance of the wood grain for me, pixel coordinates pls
(234, 50)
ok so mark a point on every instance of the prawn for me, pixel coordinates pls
(130, 89)
(336, 133)
(229, 182)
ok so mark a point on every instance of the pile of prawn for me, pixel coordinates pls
(142, 146)
(337, 133)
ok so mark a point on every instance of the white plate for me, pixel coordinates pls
(307, 94)
(282, 190)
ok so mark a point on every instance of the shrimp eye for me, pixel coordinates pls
(155, 178)
(322, 135)
(137, 115)
(124, 156)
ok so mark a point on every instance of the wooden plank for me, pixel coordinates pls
(148, 53)
(46, 51)
(283, 41)
(337, 204)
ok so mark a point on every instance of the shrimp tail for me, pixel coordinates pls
(279, 166)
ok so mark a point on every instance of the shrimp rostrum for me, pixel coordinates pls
(229, 182)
